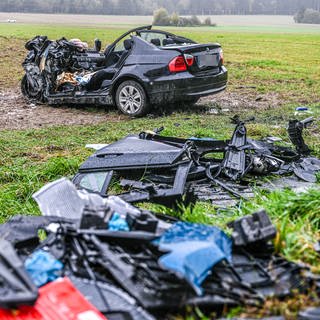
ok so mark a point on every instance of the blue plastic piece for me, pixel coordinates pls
(43, 267)
(116, 223)
(302, 108)
(194, 250)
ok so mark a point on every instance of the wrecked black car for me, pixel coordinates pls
(143, 67)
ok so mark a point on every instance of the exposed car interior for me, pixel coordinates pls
(68, 71)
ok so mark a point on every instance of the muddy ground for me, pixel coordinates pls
(17, 113)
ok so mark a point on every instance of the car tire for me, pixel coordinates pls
(131, 99)
(28, 92)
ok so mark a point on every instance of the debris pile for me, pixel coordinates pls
(121, 262)
(166, 170)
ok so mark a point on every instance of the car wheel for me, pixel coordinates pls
(29, 91)
(131, 99)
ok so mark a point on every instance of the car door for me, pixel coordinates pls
(118, 51)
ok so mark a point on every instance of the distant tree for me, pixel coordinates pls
(195, 21)
(161, 17)
(207, 21)
(307, 16)
(174, 19)
(298, 17)
(311, 16)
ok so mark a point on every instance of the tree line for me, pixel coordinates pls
(147, 7)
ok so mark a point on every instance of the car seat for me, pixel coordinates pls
(168, 41)
(156, 42)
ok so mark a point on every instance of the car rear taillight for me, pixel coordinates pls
(221, 57)
(189, 59)
(177, 64)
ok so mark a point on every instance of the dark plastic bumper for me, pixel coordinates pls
(184, 85)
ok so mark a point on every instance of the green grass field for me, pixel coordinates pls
(288, 63)
(285, 63)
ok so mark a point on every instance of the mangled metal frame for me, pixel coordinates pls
(168, 170)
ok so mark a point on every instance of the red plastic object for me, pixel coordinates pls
(58, 300)
(177, 64)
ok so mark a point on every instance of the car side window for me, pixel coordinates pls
(151, 36)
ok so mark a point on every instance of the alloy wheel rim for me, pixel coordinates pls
(130, 99)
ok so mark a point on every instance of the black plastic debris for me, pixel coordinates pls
(16, 287)
(119, 306)
(295, 129)
(234, 162)
(252, 229)
(169, 170)
(121, 272)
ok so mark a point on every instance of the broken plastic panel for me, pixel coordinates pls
(170, 170)
(295, 129)
(57, 300)
(16, 287)
(61, 199)
(194, 250)
(120, 305)
(122, 275)
(252, 229)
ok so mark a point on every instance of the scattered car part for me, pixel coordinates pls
(295, 129)
(126, 266)
(57, 300)
(234, 162)
(169, 170)
(42, 267)
(120, 306)
(193, 250)
(143, 67)
(253, 228)
(16, 287)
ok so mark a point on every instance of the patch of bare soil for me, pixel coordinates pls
(17, 113)
(242, 99)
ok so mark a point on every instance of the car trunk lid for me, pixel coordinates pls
(207, 57)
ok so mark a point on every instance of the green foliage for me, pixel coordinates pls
(307, 16)
(207, 22)
(195, 21)
(161, 17)
(175, 19)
